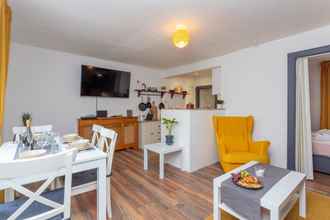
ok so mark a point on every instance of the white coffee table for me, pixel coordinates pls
(162, 150)
(276, 203)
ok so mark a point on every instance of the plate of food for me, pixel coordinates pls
(81, 145)
(69, 138)
(246, 180)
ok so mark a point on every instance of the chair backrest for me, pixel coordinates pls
(15, 174)
(96, 135)
(108, 144)
(17, 131)
(234, 133)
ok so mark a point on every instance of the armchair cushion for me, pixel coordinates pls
(244, 157)
(260, 147)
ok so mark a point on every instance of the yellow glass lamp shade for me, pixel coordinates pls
(181, 37)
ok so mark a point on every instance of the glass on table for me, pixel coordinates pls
(41, 141)
(259, 170)
(22, 148)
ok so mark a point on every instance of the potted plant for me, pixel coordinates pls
(26, 118)
(220, 104)
(169, 124)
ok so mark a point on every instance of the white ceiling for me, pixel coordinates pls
(200, 73)
(139, 31)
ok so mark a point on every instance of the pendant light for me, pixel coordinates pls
(181, 37)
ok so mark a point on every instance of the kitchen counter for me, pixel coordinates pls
(194, 133)
(146, 121)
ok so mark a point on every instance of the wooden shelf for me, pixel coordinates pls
(183, 93)
(144, 92)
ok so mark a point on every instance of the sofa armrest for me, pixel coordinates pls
(260, 147)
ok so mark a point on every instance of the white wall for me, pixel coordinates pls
(315, 93)
(47, 84)
(256, 83)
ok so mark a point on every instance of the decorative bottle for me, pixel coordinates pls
(29, 136)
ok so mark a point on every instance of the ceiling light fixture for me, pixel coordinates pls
(181, 36)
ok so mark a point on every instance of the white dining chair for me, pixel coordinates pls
(17, 131)
(38, 204)
(86, 181)
(96, 135)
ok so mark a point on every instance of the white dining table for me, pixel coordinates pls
(85, 160)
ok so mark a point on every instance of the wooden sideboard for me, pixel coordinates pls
(126, 127)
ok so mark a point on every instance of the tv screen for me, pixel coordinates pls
(97, 81)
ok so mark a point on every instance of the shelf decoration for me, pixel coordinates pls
(144, 92)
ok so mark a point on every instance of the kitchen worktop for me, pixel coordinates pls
(146, 121)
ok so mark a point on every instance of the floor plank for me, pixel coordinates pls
(138, 194)
(321, 183)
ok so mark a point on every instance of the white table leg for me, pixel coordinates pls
(275, 214)
(216, 202)
(101, 191)
(145, 159)
(161, 165)
(9, 195)
(302, 201)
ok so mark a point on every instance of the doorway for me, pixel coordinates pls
(204, 97)
(300, 66)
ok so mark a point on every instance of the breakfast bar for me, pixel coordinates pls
(194, 133)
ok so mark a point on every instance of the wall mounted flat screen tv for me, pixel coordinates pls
(100, 82)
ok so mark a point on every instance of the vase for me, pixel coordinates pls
(169, 139)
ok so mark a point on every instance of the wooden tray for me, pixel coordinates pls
(249, 186)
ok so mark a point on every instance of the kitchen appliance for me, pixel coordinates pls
(102, 113)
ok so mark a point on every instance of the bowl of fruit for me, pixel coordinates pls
(246, 180)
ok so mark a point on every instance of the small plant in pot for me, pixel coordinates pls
(169, 124)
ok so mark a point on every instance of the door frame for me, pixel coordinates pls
(291, 108)
(197, 92)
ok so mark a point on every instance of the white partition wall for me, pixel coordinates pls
(194, 133)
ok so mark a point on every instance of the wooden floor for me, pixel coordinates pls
(321, 183)
(138, 194)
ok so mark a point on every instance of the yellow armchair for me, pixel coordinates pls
(235, 143)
